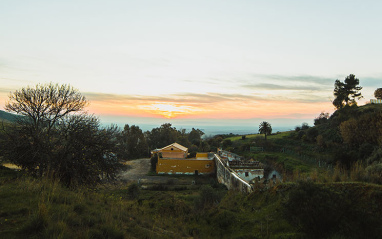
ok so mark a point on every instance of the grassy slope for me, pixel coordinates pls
(42, 209)
(301, 159)
(7, 117)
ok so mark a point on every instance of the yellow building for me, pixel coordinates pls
(174, 161)
(175, 151)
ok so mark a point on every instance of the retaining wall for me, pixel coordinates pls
(230, 178)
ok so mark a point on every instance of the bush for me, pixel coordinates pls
(305, 126)
(314, 209)
(374, 172)
(322, 212)
(312, 134)
(133, 191)
(153, 162)
(375, 157)
(208, 197)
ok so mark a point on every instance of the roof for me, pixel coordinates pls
(176, 145)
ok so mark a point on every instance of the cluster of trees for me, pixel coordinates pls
(305, 133)
(167, 134)
(351, 134)
(133, 143)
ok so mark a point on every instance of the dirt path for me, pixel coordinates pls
(138, 171)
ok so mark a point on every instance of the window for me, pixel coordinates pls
(246, 174)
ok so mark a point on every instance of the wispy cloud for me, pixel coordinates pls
(291, 83)
(265, 86)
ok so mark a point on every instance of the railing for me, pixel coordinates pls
(376, 101)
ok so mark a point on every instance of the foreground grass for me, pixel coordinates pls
(33, 208)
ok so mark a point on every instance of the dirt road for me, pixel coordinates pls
(138, 172)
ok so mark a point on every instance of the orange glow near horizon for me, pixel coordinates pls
(213, 110)
(168, 110)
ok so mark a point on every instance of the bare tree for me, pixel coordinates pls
(55, 136)
(45, 104)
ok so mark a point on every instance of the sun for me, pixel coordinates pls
(168, 110)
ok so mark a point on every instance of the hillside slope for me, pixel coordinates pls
(5, 116)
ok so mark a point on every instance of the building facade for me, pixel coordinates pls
(174, 161)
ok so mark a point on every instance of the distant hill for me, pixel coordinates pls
(5, 116)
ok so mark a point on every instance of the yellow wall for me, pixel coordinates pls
(185, 166)
(173, 155)
(176, 153)
(201, 155)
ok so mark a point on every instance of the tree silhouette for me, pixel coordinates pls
(265, 128)
(132, 143)
(346, 92)
(378, 93)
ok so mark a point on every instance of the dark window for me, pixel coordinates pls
(246, 174)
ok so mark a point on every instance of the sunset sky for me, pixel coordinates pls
(210, 62)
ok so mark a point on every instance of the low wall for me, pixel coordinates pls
(228, 177)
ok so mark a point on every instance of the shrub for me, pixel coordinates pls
(133, 191)
(374, 173)
(314, 209)
(227, 143)
(208, 197)
(376, 156)
(153, 162)
(312, 134)
(305, 126)
(341, 211)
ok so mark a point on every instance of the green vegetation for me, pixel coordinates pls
(42, 208)
(132, 143)
(7, 117)
(166, 134)
(349, 139)
(378, 93)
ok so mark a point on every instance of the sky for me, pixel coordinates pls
(196, 63)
